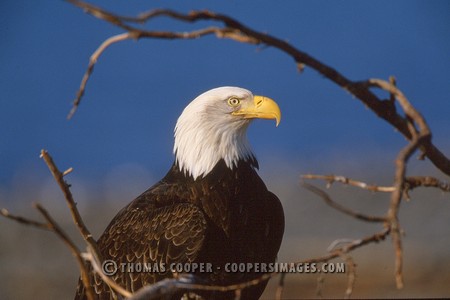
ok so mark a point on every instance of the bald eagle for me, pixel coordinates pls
(211, 207)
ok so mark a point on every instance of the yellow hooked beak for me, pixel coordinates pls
(262, 108)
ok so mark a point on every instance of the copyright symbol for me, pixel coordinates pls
(109, 267)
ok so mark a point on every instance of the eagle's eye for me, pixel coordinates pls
(233, 101)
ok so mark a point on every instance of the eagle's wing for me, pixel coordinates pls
(157, 237)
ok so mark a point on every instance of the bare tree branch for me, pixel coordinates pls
(411, 182)
(280, 287)
(65, 188)
(407, 107)
(418, 137)
(237, 294)
(73, 248)
(351, 276)
(339, 207)
(51, 225)
(92, 61)
(330, 179)
(237, 31)
(319, 286)
(5, 213)
(375, 238)
(96, 263)
(78, 221)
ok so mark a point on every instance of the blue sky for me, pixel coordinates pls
(138, 89)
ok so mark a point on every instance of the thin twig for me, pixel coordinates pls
(393, 81)
(351, 274)
(334, 244)
(67, 172)
(4, 212)
(73, 248)
(418, 137)
(237, 294)
(392, 214)
(51, 225)
(320, 285)
(78, 221)
(92, 257)
(345, 180)
(280, 287)
(374, 238)
(65, 188)
(325, 197)
(407, 107)
(92, 61)
(411, 182)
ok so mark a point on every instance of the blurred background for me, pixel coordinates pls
(120, 140)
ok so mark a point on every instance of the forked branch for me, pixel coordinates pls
(235, 30)
(53, 226)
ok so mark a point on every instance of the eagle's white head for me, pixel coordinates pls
(214, 125)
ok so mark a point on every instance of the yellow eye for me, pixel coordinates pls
(233, 101)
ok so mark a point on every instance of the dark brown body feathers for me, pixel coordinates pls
(228, 216)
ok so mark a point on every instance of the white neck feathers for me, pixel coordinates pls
(204, 135)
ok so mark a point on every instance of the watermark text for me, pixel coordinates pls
(111, 267)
